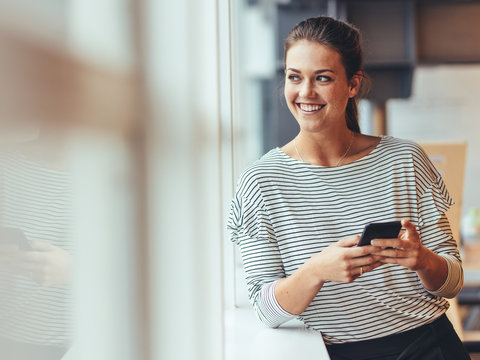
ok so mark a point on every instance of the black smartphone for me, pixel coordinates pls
(383, 230)
(14, 236)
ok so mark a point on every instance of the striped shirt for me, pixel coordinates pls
(37, 201)
(285, 211)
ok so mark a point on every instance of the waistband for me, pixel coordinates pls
(391, 344)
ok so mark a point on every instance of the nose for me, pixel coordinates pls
(307, 89)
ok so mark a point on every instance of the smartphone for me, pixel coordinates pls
(14, 236)
(380, 230)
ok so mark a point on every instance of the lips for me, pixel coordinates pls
(310, 108)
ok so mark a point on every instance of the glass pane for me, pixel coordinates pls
(67, 189)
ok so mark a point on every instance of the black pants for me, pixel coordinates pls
(13, 350)
(435, 341)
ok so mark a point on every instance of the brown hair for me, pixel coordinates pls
(343, 38)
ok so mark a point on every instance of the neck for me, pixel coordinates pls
(324, 148)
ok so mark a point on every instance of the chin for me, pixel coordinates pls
(311, 125)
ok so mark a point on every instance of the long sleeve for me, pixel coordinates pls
(251, 229)
(434, 228)
(438, 237)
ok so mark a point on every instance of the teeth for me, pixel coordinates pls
(310, 107)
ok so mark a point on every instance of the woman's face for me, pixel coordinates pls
(316, 86)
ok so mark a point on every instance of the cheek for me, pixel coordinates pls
(289, 93)
(338, 96)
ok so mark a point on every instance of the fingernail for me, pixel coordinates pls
(374, 242)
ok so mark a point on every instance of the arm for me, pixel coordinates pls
(252, 231)
(340, 262)
(277, 298)
(432, 252)
(439, 272)
(263, 269)
(438, 238)
(432, 269)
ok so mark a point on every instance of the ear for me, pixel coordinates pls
(355, 83)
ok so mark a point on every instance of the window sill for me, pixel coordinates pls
(248, 339)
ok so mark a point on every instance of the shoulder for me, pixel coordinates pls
(405, 147)
(401, 145)
(266, 166)
(411, 152)
(264, 169)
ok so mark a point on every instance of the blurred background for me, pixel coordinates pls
(124, 125)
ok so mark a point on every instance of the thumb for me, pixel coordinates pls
(349, 242)
(409, 227)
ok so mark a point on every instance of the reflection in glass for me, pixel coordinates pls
(35, 251)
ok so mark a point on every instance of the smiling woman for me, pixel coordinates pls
(298, 211)
(316, 96)
(324, 78)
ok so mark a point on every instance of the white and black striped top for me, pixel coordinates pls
(285, 211)
(38, 201)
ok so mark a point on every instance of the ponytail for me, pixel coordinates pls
(351, 115)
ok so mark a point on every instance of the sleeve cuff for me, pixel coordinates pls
(454, 281)
(268, 309)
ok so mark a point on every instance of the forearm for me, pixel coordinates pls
(454, 281)
(434, 270)
(295, 292)
(440, 236)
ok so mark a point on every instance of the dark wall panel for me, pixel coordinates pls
(449, 33)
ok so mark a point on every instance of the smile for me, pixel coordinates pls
(310, 107)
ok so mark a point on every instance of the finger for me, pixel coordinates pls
(375, 265)
(361, 270)
(393, 243)
(40, 245)
(37, 257)
(364, 261)
(410, 229)
(392, 253)
(348, 242)
(361, 251)
(397, 261)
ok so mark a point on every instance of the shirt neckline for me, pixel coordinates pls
(366, 156)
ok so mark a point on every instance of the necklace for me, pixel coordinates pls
(338, 163)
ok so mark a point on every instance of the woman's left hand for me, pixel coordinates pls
(406, 250)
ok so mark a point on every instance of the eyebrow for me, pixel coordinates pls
(315, 72)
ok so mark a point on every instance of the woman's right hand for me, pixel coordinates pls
(343, 261)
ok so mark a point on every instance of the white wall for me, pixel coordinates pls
(444, 107)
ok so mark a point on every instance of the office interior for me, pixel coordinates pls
(147, 111)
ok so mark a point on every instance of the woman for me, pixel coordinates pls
(35, 256)
(298, 211)
(35, 242)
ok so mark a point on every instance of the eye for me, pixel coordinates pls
(293, 77)
(323, 78)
